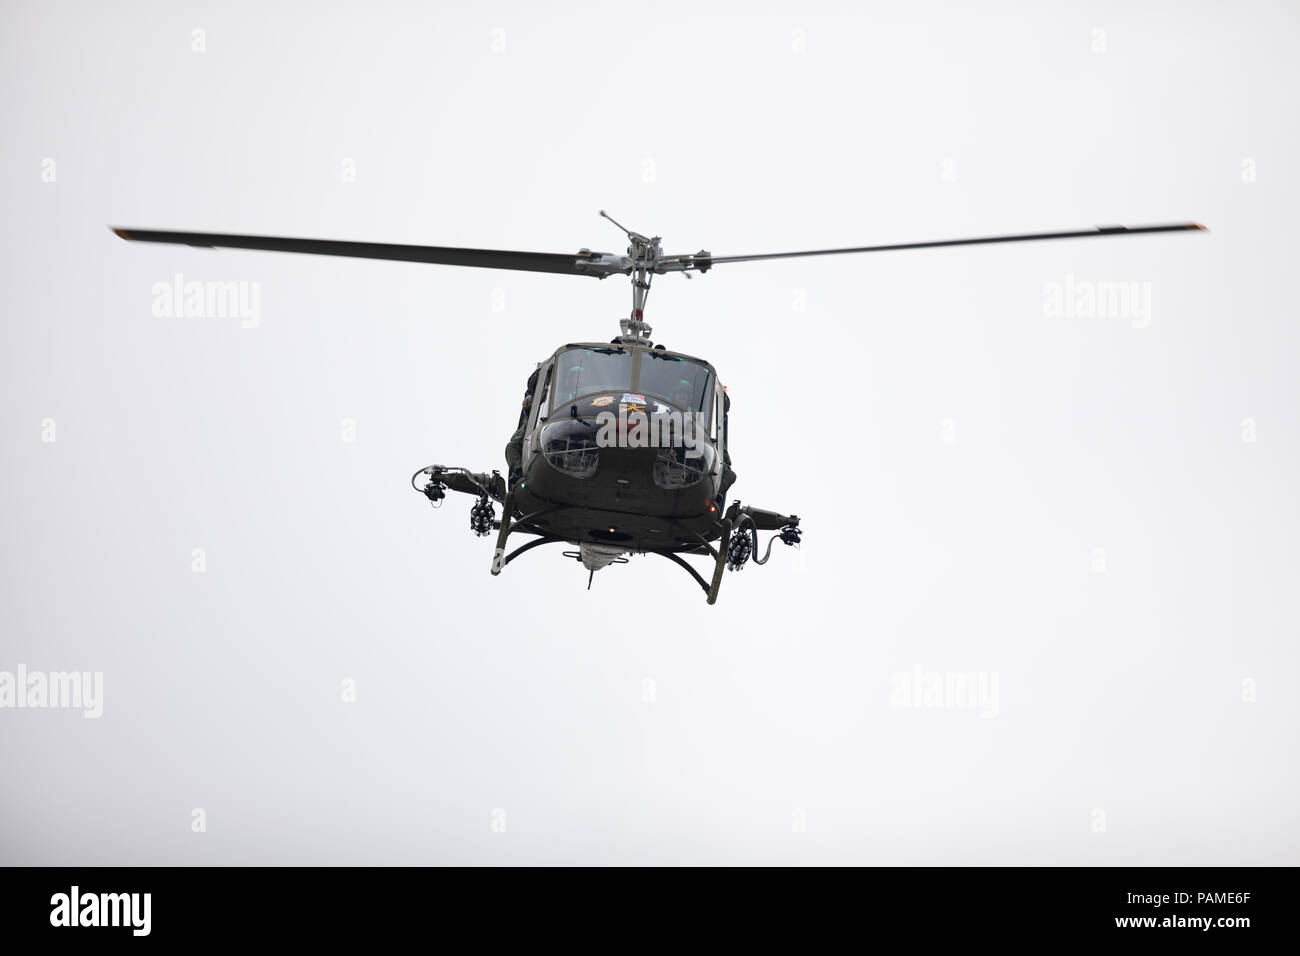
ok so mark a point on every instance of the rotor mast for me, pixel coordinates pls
(644, 253)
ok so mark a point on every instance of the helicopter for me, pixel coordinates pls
(622, 446)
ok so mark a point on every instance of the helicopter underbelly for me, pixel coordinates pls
(620, 504)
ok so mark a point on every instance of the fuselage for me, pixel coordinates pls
(625, 448)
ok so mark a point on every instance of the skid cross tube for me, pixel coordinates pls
(529, 546)
(704, 585)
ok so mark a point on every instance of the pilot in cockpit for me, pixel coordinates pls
(682, 395)
(569, 382)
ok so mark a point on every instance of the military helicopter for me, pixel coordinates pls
(591, 465)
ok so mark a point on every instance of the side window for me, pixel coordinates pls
(539, 400)
(724, 406)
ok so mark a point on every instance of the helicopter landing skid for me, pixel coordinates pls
(720, 564)
(499, 553)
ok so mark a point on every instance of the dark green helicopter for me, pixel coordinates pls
(622, 447)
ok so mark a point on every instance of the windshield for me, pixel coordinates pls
(581, 372)
(673, 379)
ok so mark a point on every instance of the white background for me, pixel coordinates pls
(1146, 713)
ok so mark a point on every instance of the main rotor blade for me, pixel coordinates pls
(1023, 237)
(439, 255)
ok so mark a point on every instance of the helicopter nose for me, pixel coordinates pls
(630, 469)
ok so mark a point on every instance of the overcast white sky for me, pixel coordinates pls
(1095, 514)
